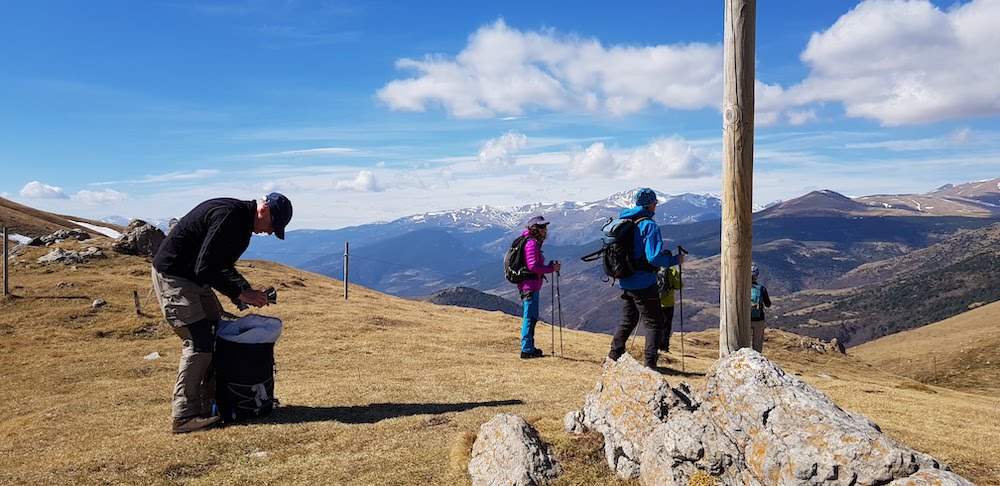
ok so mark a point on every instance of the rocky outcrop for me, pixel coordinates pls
(68, 257)
(753, 425)
(508, 451)
(821, 346)
(139, 238)
(61, 235)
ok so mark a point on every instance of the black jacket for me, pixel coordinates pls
(204, 246)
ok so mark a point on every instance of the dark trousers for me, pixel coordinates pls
(639, 305)
(668, 328)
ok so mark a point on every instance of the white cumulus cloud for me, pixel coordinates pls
(595, 160)
(500, 153)
(107, 196)
(506, 72)
(37, 190)
(364, 182)
(664, 157)
(670, 157)
(906, 62)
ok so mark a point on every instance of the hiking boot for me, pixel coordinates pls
(194, 424)
(534, 353)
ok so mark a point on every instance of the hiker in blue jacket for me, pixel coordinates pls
(640, 296)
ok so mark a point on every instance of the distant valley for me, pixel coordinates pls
(808, 248)
(852, 268)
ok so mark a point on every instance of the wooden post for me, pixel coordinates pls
(737, 175)
(6, 289)
(346, 257)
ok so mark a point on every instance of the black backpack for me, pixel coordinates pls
(616, 250)
(515, 265)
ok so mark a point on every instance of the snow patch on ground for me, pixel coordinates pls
(100, 229)
(19, 238)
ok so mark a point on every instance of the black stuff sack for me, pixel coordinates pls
(244, 367)
(244, 379)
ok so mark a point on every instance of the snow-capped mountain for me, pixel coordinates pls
(488, 228)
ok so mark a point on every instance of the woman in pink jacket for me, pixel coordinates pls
(535, 261)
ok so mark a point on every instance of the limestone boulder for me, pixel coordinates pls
(69, 257)
(61, 235)
(752, 425)
(508, 451)
(791, 433)
(626, 406)
(139, 238)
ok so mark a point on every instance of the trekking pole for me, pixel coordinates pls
(559, 300)
(680, 272)
(552, 319)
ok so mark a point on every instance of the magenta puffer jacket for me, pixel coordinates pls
(536, 263)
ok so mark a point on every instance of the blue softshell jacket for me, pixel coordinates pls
(647, 242)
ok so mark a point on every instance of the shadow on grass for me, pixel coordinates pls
(370, 414)
(673, 372)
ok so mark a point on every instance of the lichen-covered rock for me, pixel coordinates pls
(626, 406)
(508, 452)
(754, 425)
(791, 433)
(68, 257)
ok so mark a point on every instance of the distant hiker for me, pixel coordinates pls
(640, 297)
(758, 301)
(525, 266)
(197, 256)
(667, 281)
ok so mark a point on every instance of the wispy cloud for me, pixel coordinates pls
(316, 152)
(105, 197)
(958, 137)
(168, 177)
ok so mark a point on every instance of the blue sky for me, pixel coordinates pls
(366, 111)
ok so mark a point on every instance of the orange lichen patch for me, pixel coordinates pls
(755, 456)
(702, 478)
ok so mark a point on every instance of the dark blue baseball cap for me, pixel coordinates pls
(281, 212)
(645, 197)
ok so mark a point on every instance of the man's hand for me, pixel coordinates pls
(681, 258)
(253, 297)
(556, 266)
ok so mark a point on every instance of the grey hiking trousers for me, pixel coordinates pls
(758, 335)
(193, 311)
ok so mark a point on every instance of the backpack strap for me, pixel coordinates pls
(641, 264)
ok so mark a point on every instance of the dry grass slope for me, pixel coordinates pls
(374, 389)
(962, 352)
(28, 221)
